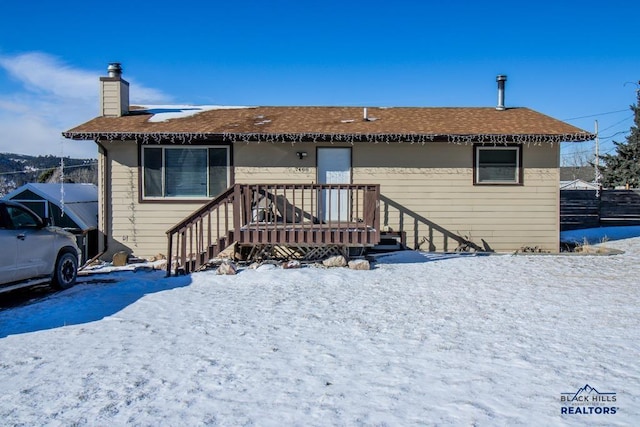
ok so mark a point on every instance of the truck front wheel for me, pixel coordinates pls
(66, 271)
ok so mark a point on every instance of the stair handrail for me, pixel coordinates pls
(225, 196)
(203, 210)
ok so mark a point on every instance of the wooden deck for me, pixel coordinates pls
(278, 220)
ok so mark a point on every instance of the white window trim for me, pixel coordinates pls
(518, 174)
(162, 175)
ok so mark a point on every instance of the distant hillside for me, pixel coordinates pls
(18, 169)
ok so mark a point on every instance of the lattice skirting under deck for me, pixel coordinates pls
(291, 251)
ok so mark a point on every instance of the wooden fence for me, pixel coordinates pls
(589, 208)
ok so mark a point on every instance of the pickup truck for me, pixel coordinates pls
(34, 252)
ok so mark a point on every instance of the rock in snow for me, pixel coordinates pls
(120, 259)
(335, 261)
(292, 264)
(227, 268)
(359, 264)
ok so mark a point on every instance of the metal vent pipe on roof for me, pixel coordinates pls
(115, 70)
(501, 79)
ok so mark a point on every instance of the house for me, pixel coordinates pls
(73, 207)
(578, 184)
(310, 181)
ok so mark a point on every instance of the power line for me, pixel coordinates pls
(46, 169)
(573, 154)
(596, 115)
(617, 133)
(617, 123)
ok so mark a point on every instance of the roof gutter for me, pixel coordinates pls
(412, 138)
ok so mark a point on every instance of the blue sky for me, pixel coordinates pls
(567, 59)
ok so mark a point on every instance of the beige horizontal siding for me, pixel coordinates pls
(434, 185)
(139, 228)
(110, 98)
(432, 181)
(275, 175)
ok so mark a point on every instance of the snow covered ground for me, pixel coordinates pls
(419, 340)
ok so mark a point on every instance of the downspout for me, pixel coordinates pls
(104, 173)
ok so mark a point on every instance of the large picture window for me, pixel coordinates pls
(184, 172)
(498, 165)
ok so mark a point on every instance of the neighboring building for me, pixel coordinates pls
(73, 207)
(578, 184)
(441, 178)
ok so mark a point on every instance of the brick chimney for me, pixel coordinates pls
(114, 92)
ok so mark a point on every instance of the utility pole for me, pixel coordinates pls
(597, 162)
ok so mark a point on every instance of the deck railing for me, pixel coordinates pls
(197, 238)
(422, 231)
(283, 214)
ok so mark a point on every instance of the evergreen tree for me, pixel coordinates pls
(623, 167)
(46, 175)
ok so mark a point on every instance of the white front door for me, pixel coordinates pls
(334, 167)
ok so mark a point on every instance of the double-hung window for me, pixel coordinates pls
(498, 165)
(184, 172)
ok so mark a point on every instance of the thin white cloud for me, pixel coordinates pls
(140, 94)
(45, 74)
(9, 105)
(53, 97)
